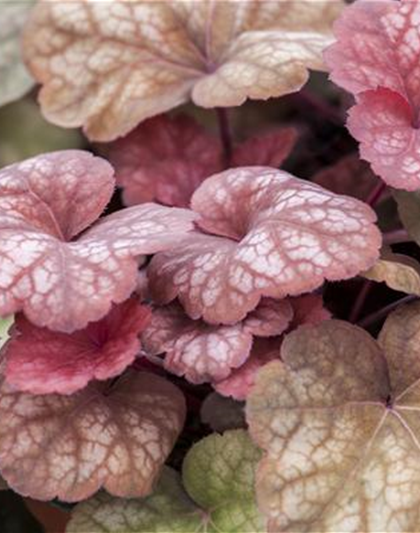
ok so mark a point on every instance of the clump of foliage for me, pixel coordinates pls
(195, 262)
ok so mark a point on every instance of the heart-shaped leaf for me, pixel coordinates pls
(102, 67)
(218, 495)
(165, 159)
(376, 57)
(58, 281)
(42, 361)
(15, 80)
(339, 421)
(267, 233)
(115, 436)
(399, 272)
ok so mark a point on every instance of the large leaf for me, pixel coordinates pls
(264, 233)
(115, 436)
(376, 57)
(339, 422)
(57, 280)
(102, 67)
(218, 495)
(15, 80)
(41, 361)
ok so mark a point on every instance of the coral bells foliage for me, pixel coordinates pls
(376, 58)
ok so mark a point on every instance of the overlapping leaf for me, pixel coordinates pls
(41, 361)
(56, 280)
(264, 233)
(376, 57)
(15, 80)
(217, 494)
(166, 159)
(399, 272)
(339, 421)
(113, 436)
(110, 65)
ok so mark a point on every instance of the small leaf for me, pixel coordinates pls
(338, 420)
(218, 474)
(41, 361)
(222, 413)
(15, 80)
(264, 233)
(68, 447)
(409, 211)
(102, 68)
(399, 272)
(45, 203)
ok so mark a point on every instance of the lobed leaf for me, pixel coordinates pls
(112, 436)
(218, 495)
(263, 233)
(15, 80)
(41, 361)
(102, 68)
(58, 281)
(338, 420)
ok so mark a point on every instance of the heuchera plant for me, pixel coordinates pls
(192, 288)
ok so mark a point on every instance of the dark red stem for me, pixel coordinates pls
(360, 301)
(376, 194)
(384, 311)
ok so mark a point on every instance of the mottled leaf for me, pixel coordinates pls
(339, 422)
(218, 476)
(115, 436)
(267, 149)
(222, 413)
(264, 233)
(58, 281)
(15, 80)
(42, 361)
(102, 67)
(399, 272)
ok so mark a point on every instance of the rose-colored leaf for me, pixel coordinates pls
(350, 176)
(239, 384)
(399, 272)
(385, 125)
(376, 57)
(308, 309)
(112, 436)
(58, 281)
(41, 361)
(269, 318)
(15, 80)
(338, 420)
(194, 349)
(102, 67)
(272, 235)
(268, 149)
(164, 159)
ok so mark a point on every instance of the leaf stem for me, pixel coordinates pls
(376, 194)
(225, 135)
(396, 236)
(360, 301)
(384, 311)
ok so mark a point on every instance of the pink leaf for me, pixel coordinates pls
(58, 281)
(268, 149)
(376, 57)
(269, 318)
(382, 122)
(164, 159)
(41, 361)
(308, 309)
(272, 235)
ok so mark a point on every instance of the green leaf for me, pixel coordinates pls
(15, 80)
(409, 211)
(215, 495)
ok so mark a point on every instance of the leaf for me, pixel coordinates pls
(102, 68)
(409, 212)
(5, 325)
(349, 175)
(338, 420)
(60, 282)
(222, 413)
(399, 272)
(15, 80)
(267, 233)
(218, 474)
(308, 309)
(116, 437)
(376, 58)
(166, 159)
(41, 361)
